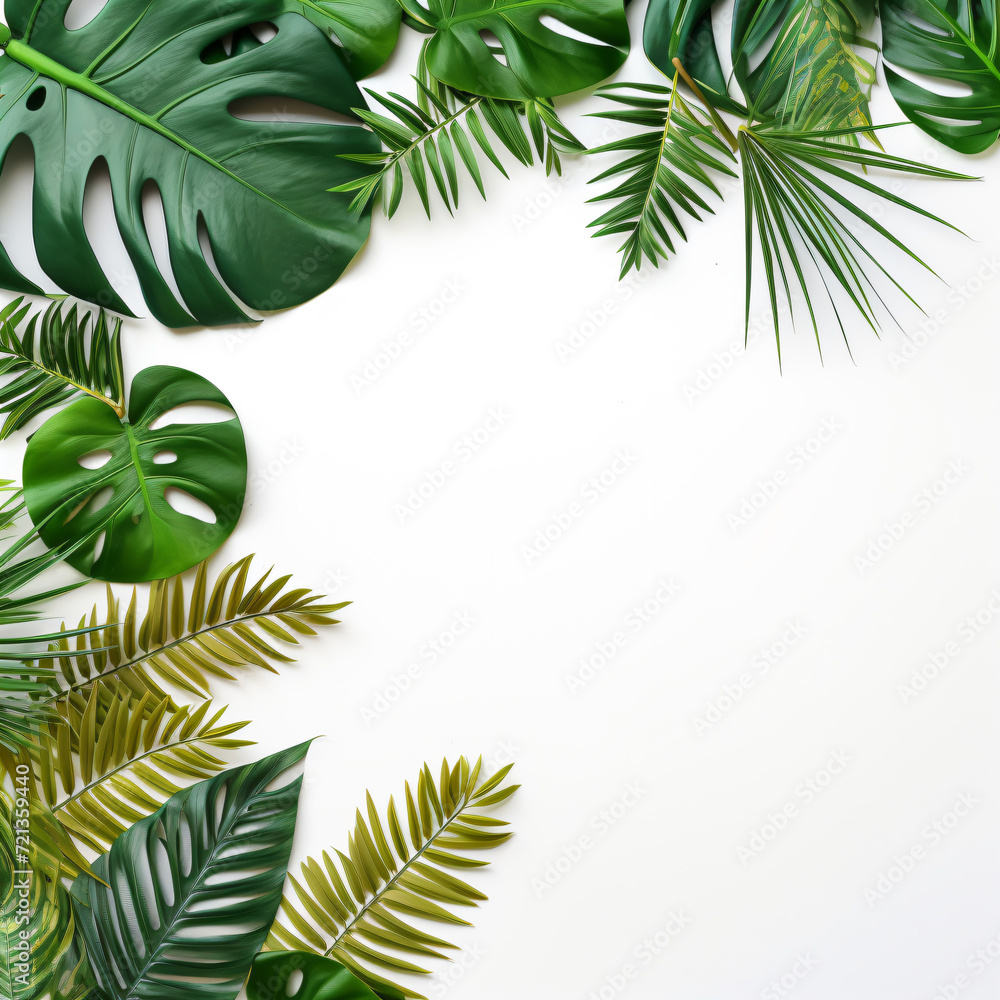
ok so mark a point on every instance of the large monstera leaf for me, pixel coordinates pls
(144, 537)
(954, 41)
(533, 60)
(146, 87)
(192, 889)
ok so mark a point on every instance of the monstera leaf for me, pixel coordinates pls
(682, 29)
(366, 29)
(786, 54)
(533, 60)
(191, 890)
(322, 978)
(147, 88)
(953, 41)
(144, 537)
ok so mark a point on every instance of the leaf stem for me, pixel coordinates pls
(719, 121)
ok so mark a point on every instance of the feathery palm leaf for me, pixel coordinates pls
(25, 674)
(429, 138)
(355, 911)
(52, 363)
(118, 765)
(675, 149)
(184, 642)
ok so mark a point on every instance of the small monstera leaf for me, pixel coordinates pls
(186, 895)
(127, 500)
(322, 978)
(148, 88)
(951, 41)
(533, 60)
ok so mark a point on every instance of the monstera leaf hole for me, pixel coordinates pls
(236, 43)
(184, 503)
(562, 28)
(106, 241)
(936, 85)
(495, 46)
(36, 99)
(154, 221)
(81, 12)
(17, 183)
(285, 109)
(95, 459)
(191, 413)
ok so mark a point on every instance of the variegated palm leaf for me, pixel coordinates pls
(358, 911)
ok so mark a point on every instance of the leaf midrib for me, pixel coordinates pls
(41, 64)
(397, 875)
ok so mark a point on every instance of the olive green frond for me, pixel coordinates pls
(357, 909)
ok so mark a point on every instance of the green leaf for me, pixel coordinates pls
(183, 642)
(39, 956)
(682, 29)
(366, 30)
(359, 912)
(795, 188)
(533, 60)
(954, 41)
(148, 89)
(60, 365)
(663, 169)
(322, 978)
(212, 857)
(434, 131)
(121, 770)
(144, 537)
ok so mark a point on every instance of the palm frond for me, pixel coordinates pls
(813, 76)
(107, 769)
(665, 165)
(796, 214)
(184, 641)
(53, 358)
(56, 967)
(25, 674)
(357, 911)
(428, 139)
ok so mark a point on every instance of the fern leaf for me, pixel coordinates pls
(358, 909)
(54, 358)
(665, 166)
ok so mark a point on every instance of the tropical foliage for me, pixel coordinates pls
(101, 477)
(149, 90)
(805, 141)
(356, 907)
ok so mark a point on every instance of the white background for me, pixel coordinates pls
(663, 379)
